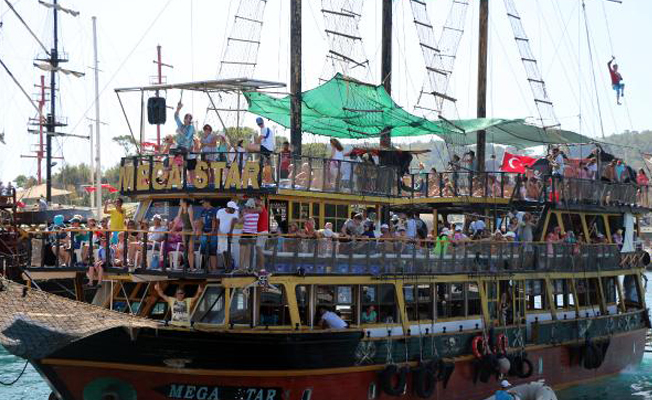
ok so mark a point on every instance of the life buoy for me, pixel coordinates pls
(502, 344)
(393, 380)
(477, 341)
(424, 381)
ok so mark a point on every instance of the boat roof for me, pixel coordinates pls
(216, 85)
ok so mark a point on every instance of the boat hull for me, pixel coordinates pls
(78, 379)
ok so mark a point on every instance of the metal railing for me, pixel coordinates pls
(171, 253)
(458, 184)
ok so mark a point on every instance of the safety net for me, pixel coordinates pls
(350, 109)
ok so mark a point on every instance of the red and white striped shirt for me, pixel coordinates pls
(250, 223)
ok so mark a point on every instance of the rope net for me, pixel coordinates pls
(35, 324)
(238, 61)
(542, 101)
(346, 53)
(439, 56)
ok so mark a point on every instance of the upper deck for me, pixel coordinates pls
(251, 174)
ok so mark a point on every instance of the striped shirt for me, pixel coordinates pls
(251, 223)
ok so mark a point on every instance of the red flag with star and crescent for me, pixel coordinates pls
(516, 163)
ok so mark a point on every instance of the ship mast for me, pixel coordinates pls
(295, 75)
(482, 80)
(52, 121)
(386, 62)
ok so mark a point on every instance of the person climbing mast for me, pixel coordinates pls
(616, 80)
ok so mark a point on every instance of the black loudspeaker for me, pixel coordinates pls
(156, 112)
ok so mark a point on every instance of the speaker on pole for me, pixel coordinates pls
(156, 111)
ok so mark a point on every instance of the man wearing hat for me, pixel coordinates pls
(265, 142)
(226, 219)
(504, 393)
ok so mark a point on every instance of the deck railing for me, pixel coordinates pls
(269, 173)
(136, 252)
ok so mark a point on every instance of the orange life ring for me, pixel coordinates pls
(474, 345)
(502, 343)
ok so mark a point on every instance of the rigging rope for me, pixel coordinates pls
(595, 82)
(17, 378)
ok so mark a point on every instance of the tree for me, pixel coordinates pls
(317, 150)
(127, 143)
(25, 182)
(234, 134)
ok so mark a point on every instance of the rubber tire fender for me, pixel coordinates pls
(424, 382)
(387, 377)
(520, 372)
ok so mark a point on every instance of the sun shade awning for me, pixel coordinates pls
(349, 109)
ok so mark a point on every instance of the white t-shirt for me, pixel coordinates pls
(559, 169)
(477, 225)
(333, 321)
(268, 138)
(154, 233)
(491, 165)
(226, 220)
(411, 228)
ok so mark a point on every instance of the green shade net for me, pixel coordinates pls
(349, 109)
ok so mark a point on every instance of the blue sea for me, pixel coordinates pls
(631, 384)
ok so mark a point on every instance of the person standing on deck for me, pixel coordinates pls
(185, 141)
(180, 305)
(117, 217)
(226, 219)
(208, 241)
(616, 80)
(263, 232)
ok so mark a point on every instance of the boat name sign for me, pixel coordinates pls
(199, 392)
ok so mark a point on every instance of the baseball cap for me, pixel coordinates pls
(510, 234)
(156, 216)
(384, 226)
(505, 384)
(75, 219)
(232, 204)
(58, 220)
(251, 203)
(259, 120)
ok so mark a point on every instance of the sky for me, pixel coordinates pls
(193, 34)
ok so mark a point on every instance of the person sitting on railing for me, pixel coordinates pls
(265, 142)
(326, 239)
(433, 183)
(308, 231)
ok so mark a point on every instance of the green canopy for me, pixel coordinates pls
(349, 109)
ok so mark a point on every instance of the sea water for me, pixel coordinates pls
(635, 383)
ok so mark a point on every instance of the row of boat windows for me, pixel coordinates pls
(377, 304)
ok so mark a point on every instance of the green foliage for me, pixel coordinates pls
(25, 182)
(318, 150)
(630, 146)
(234, 134)
(127, 143)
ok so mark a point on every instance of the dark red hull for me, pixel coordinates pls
(554, 364)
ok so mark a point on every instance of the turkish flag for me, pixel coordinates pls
(516, 163)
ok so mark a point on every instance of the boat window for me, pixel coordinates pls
(383, 299)
(616, 222)
(596, 227)
(473, 304)
(450, 300)
(241, 310)
(630, 291)
(336, 214)
(492, 299)
(210, 308)
(303, 303)
(419, 304)
(535, 295)
(572, 222)
(587, 292)
(340, 299)
(274, 310)
(562, 294)
(610, 290)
